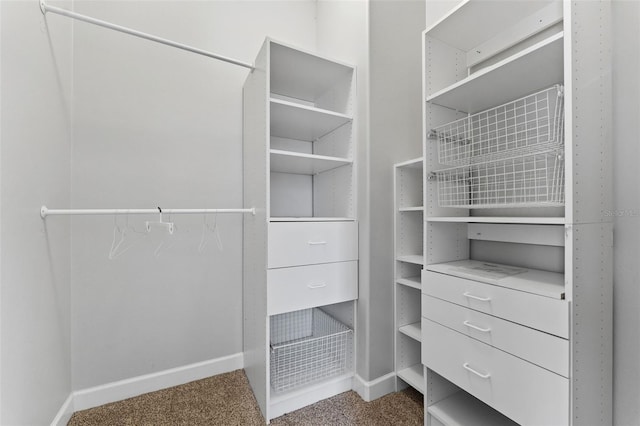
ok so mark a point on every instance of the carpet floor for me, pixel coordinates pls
(227, 399)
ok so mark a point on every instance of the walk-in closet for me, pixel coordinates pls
(318, 212)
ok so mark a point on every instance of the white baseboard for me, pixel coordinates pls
(375, 388)
(128, 388)
(65, 412)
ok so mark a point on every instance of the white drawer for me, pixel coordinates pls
(539, 312)
(301, 287)
(540, 348)
(526, 393)
(308, 243)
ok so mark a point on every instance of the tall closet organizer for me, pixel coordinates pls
(301, 248)
(517, 283)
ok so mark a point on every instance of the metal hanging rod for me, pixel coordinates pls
(44, 211)
(46, 8)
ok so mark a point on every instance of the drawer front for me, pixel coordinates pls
(301, 287)
(524, 392)
(309, 243)
(540, 348)
(539, 312)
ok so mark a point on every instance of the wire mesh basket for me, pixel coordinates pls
(307, 346)
(534, 180)
(530, 124)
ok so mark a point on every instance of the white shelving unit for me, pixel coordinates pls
(517, 289)
(409, 260)
(301, 247)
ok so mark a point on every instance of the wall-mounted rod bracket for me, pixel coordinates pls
(44, 7)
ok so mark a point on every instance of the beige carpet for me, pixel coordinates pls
(227, 400)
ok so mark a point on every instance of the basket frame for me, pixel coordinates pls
(313, 353)
(530, 124)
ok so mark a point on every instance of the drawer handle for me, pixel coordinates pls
(475, 327)
(317, 285)
(316, 243)
(483, 376)
(471, 296)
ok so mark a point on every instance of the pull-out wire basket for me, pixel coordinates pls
(307, 346)
(530, 124)
(534, 180)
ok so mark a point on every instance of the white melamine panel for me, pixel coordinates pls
(334, 193)
(497, 219)
(462, 409)
(409, 229)
(310, 219)
(410, 281)
(411, 258)
(254, 276)
(408, 185)
(296, 244)
(291, 145)
(413, 330)
(461, 29)
(524, 392)
(544, 283)
(546, 235)
(301, 287)
(291, 195)
(532, 69)
(301, 75)
(303, 164)
(539, 312)
(297, 121)
(521, 31)
(539, 348)
(413, 375)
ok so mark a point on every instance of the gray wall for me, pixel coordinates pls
(35, 80)
(626, 128)
(395, 136)
(343, 32)
(155, 126)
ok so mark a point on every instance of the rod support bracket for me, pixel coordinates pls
(43, 211)
(43, 7)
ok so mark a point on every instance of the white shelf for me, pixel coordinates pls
(411, 209)
(413, 376)
(498, 219)
(537, 67)
(414, 282)
(302, 122)
(418, 259)
(311, 219)
(462, 409)
(301, 75)
(412, 330)
(415, 163)
(304, 164)
(535, 281)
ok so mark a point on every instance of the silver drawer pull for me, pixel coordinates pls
(317, 285)
(471, 296)
(316, 243)
(483, 376)
(475, 327)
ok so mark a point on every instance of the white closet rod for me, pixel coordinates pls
(44, 211)
(46, 8)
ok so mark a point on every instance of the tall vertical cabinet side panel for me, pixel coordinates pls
(592, 324)
(255, 143)
(588, 59)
